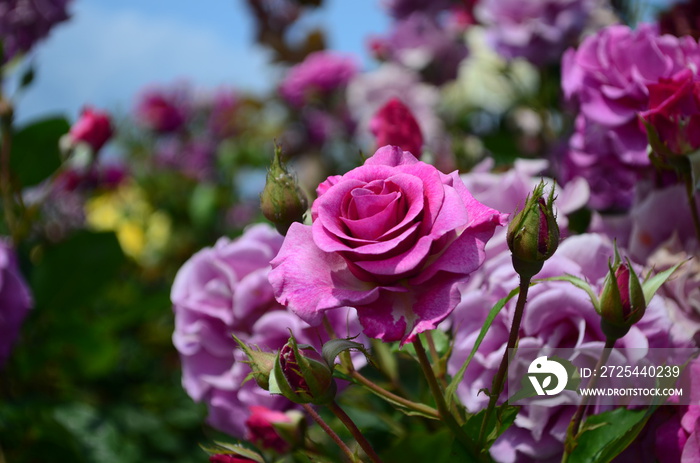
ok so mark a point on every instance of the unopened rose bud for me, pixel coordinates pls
(622, 302)
(533, 234)
(302, 375)
(282, 201)
(261, 364)
(93, 128)
(394, 124)
(262, 428)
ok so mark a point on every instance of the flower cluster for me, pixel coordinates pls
(25, 22)
(608, 77)
(536, 30)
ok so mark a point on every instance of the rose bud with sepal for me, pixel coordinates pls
(282, 201)
(261, 364)
(302, 375)
(622, 302)
(533, 234)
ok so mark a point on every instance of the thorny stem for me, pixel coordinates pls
(356, 433)
(445, 414)
(499, 379)
(573, 429)
(317, 418)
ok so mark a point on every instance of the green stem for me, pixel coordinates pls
(499, 379)
(572, 431)
(409, 404)
(690, 192)
(360, 378)
(447, 417)
(5, 177)
(317, 418)
(356, 433)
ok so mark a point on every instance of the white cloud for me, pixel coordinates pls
(105, 58)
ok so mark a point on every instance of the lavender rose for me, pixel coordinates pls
(608, 77)
(390, 238)
(537, 30)
(222, 291)
(15, 299)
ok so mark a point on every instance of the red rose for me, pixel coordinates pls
(395, 125)
(674, 111)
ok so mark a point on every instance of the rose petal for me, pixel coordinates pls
(310, 281)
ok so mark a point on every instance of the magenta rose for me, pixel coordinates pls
(93, 127)
(391, 238)
(674, 111)
(394, 124)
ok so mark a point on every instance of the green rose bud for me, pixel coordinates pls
(533, 234)
(282, 201)
(302, 375)
(622, 302)
(261, 363)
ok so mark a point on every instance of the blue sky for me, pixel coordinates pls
(111, 49)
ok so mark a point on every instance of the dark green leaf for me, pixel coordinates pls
(35, 151)
(606, 435)
(75, 270)
(502, 418)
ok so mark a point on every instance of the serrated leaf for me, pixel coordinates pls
(653, 284)
(451, 390)
(35, 152)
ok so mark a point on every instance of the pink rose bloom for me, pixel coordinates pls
(392, 239)
(15, 299)
(394, 124)
(674, 111)
(94, 127)
(320, 72)
(163, 111)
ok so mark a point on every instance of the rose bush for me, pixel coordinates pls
(392, 239)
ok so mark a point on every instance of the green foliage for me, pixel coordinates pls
(35, 152)
(606, 435)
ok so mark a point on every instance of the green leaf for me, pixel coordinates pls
(499, 421)
(75, 270)
(606, 435)
(223, 448)
(334, 347)
(35, 152)
(579, 283)
(452, 387)
(651, 285)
